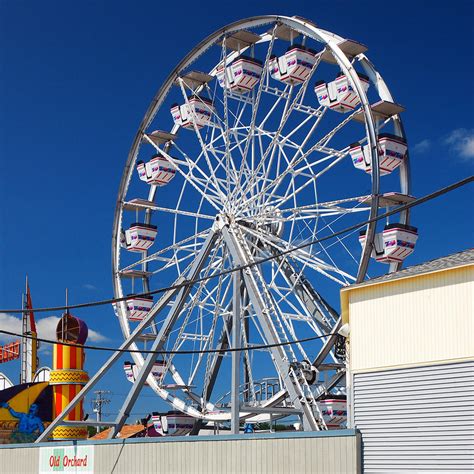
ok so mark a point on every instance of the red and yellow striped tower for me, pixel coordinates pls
(68, 375)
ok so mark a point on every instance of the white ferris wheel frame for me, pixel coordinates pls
(331, 42)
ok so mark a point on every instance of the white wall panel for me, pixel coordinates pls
(412, 321)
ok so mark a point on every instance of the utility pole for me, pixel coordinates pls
(97, 403)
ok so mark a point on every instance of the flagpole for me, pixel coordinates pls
(24, 340)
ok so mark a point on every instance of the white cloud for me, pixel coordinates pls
(422, 146)
(8, 322)
(461, 141)
(95, 336)
(46, 328)
(89, 286)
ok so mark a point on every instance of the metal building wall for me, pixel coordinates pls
(412, 321)
(334, 452)
(416, 419)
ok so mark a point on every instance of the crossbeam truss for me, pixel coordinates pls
(248, 287)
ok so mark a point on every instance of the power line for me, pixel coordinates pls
(201, 351)
(276, 255)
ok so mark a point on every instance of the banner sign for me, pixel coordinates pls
(10, 351)
(68, 459)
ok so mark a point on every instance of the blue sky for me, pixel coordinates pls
(77, 77)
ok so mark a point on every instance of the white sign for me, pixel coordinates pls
(68, 459)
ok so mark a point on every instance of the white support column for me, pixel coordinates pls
(236, 338)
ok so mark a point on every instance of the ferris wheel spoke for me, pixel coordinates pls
(256, 103)
(189, 307)
(312, 178)
(176, 164)
(211, 365)
(313, 210)
(305, 258)
(284, 95)
(226, 119)
(202, 143)
(300, 287)
(322, 142)
(177, 246)
(181, 212)
(192, 181)
(213, 361)
(286, 114)
(340, 241)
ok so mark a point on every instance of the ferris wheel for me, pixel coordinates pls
(270, 134)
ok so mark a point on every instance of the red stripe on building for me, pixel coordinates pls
(71, 395)
(72, 357)
(59, 356)
(58, 402)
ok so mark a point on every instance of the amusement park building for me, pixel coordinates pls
(411, 366)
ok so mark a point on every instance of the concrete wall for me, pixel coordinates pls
(290, 453)
(412, 321)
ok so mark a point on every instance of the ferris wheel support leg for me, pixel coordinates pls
(329, 344)
(164, 300)
(163, 333)
(306, 293)
(236, 338)
(282, 364)
(216, 364)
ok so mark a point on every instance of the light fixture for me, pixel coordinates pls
(345, 330)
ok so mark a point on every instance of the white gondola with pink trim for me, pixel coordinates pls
(138, 307)
(394, 244)
(197, 111)
(334, 412)
(241, 76)
(158, 171)
(173, 423)
(392, 152)
(139, 237)
(339, 95)
(131, 370)
(294, 66)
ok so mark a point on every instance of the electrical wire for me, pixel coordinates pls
(183, 352)
(359, 225)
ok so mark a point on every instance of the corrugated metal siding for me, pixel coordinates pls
(321, 453)
(416, 419)
(413, 321)
(19, 460)
(272, 456)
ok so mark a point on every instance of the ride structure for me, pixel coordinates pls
(257, 165)
(68, 376)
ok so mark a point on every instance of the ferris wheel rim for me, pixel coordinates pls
(330, 40)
